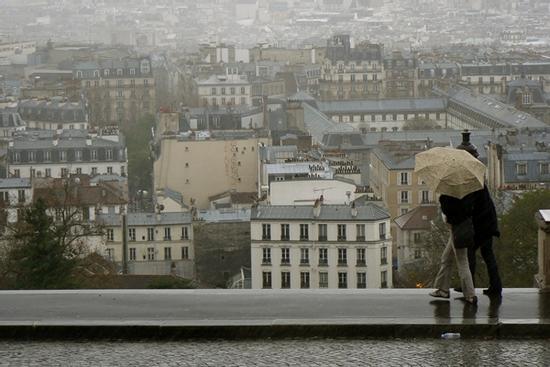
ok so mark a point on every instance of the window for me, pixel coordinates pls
(132, 234)
(425, 196)
(322, 232)
(404, 178)
(266, 280)
(94, 171)
(362, 280)
(32, 156)
(243, 90)
(384, 279)
(341, 232)
(404, 197)
(167, 234)
(47, 156)
(167, 253)
(360, 229)
(150, 253)
(285, 256)
(417, 254)
(185, 253)
(304, 256)
(383, 255)
(21, 196)
(150, 234)
(48, 172)
(93, 155)
(266, 232)
(266, 256)
(63, 155)
(110, 170)
(285, 232)
(64, 172)
(544, 168)
(342, 280)
(110, 254)
(382, 231)
(304, 279)
(521, 169)
(16, 173)
(109, 154)
(110, 235)
(323, 279)
(184, 233)
(361, 257)
(132, 254)
(323, 256)
(285, 279)
(79, 171)
(417, 237)
(304, 232)
(342, 256)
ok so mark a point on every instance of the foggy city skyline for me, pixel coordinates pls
(248, 169)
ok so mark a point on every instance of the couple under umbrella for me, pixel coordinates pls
(459, 177)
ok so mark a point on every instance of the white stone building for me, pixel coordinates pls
(15, 194)
(230, 89)
(320, 246)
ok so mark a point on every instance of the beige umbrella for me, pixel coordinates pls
(450, 171)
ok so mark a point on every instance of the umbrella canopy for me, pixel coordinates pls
(450, 171)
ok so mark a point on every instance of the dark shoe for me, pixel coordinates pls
(458, 289)
(492, 292)
(471, 300)
(440, 293)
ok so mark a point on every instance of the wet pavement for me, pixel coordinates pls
(257, 314)
(409, 352)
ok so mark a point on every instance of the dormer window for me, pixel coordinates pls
(96, 74)
(32, 156)
(132, 71)
(79, 74)
(527, 98)
(106, 72)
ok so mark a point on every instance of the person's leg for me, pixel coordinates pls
(472, 262)
(468, 289)
(443, 277)
(495, 284)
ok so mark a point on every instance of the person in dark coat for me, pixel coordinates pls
(484, 218)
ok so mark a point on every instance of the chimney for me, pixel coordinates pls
(353, 210)
(466, 145)
(317, 208)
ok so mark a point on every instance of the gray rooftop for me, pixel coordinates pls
(318, 124)
(505, 115)
(383, 106)
(369, 212)
(224, 215)
(12, 183)
(147, 219)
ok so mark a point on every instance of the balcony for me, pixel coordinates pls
(322, 238)
(360, 238)
(361, 263)
(323, 262)
(285, 262)
(304, 238)
(266, 238)
(285, 238)
(342, 263)
(266, 261)
(341, 238)
(383, 261)
(304, 262)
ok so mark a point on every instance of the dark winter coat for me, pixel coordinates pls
(479, 205)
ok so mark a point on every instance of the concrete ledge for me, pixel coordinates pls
(228, 314)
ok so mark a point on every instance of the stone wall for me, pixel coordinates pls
(221, 249)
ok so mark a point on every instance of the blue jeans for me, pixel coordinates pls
(486, 248)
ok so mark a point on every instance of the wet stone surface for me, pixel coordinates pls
(419, 352)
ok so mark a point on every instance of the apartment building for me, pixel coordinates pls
(352, 73)
(232, 164)
(158, 243)
(49, 153)
(15, 194)
(53, 114)
(230, 89)
(320, 246)
(119, 91)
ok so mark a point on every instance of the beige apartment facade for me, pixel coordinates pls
(202, 168)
